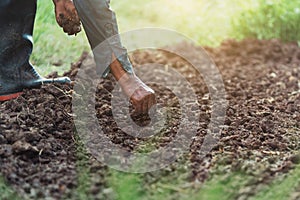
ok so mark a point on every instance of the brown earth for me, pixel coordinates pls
(38, 145)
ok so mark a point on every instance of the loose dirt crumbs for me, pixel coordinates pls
(39, 149)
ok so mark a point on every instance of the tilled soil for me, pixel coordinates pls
(38, 145)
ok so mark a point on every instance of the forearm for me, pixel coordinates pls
(100, 25)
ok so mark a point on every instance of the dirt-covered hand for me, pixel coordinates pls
(142, 99)
(141, 96)
(67, 17)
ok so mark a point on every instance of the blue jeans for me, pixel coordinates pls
(100, 25)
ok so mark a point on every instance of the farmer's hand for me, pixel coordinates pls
(67, 17)
(141, 96)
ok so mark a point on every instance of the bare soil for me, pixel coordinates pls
(38, 146)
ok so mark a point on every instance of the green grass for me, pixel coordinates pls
(223, 187)
(6, 192)
(227, 186)
(133, 186)
(168, 183)
(125, 185)
(282, 188)
(173, 184)
(266, 19)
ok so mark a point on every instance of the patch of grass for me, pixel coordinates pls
(134, 186)
(266, 19)
(168, 183)
(222, 186)
(126, 185)
(6, 192)
(282, 188)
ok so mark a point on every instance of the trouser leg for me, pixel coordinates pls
(16, 25)
(100, 25)
(16, 28)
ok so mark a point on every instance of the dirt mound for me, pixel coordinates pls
(263, 88)
(38, 149)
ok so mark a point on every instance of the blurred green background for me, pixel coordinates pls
(206, 21)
